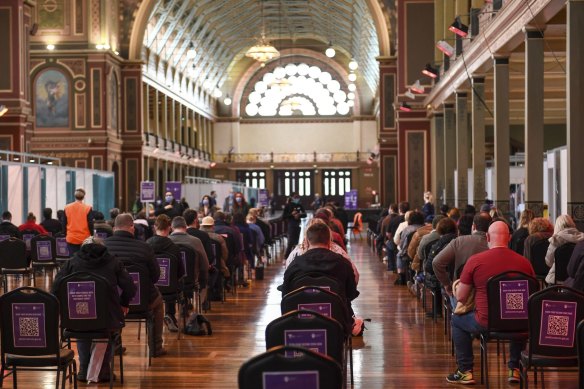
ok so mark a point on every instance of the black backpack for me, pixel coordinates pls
(198, 325)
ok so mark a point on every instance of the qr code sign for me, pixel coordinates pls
(163, 272)
(28, 326)
(558, 325)
(82, 308)
(514, 301)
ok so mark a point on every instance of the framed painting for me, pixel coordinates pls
(52, 105)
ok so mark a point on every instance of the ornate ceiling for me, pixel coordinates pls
(221, 31)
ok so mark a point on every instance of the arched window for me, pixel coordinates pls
(298, 90)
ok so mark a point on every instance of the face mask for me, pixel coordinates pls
(238, 199)
(168, 199)
(205, 202)
(296, 201)
(230, 195)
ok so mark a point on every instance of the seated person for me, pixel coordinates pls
(31, 225)
(320, 259)
(93, 257)
(53, 226)
(100, 225)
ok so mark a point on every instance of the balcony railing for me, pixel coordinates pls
(291, 157)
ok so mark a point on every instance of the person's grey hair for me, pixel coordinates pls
(179, 222)
(124, 220)
(92, 240)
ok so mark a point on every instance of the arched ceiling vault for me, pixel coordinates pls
(221, 31)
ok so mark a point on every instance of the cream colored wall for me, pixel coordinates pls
(295, 137)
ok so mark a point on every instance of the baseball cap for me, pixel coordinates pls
(208, 221)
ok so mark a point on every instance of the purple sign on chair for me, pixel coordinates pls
(100, 235)
(322, 308)
(28, 325)
(558, 323)
(44, 251)
(136, 278)
(290, 380)
(351, 199)
(314, 340)
(514, 296)
(164, 279)
(27, 238)
(147, 189)
(62, 248)
(81, 300)
(263, 199)
(4, 237)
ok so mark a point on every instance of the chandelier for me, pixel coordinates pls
(262, 51)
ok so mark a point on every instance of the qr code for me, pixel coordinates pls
(82, 308)
(28, 326)
(163, 273)
(558, 325)
(514, 301)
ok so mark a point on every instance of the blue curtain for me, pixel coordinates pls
(103, 193)
(4, 188)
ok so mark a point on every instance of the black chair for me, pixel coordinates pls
(43, 253)
(327, 303)
(580, 338)
(538, 253)
(168, 283)
(85, 309)
(507, 295)
(189, 284)
(306, 370)
(13, 261)
(27, 236)
(139, 311)
(29, 327)
(307, 329)
(553, 315)
(562, 257)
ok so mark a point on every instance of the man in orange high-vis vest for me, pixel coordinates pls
(78, 221)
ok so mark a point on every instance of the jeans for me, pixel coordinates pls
(73, 248)
(464, 327)
(390, 251)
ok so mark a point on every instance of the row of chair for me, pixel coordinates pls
(315, 328)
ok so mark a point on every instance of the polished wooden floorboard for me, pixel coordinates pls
(400, 348)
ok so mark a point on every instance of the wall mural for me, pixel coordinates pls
(52, 99)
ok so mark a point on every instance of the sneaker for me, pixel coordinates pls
(514, 376)
(171, 323)
(459, 377)
(159, 353)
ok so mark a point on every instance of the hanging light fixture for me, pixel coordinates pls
(417, 87)
(410, 95)
(352, 77)
(430, 71)
(459, 28)
(191, 53)
(445, 47)
(330, 51)
(405, 107)
(217, 92)
(262, 51)
(353, 65)
(227, 100)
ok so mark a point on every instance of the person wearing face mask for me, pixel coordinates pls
(293, 212)
(228, 203)
(170, 207)
(240, 205)
(206, 207)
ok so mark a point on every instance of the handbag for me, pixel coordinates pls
(198, 325)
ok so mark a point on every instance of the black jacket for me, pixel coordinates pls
(123, 245)
(7, 228)
(576, 268)
(206, 240)
(52, 225)
(518, 239)
(173, 212)
(95, 258)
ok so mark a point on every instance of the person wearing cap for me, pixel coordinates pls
(78, 221)
(221, 252)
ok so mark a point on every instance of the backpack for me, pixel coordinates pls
(198, 325)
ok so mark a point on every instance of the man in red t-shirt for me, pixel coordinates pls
(477, 271)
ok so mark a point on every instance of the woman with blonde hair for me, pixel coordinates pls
(564, 232)
(428, 208)
(519, 236)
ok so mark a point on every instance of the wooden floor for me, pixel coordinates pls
(400, 348)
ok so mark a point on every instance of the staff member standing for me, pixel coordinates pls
(293, 212)
(78, 221)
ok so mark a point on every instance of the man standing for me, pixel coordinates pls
(458, 251)
(123, 245)
(477, 271)
(170, 208)
(78, 220)
(293, 212)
